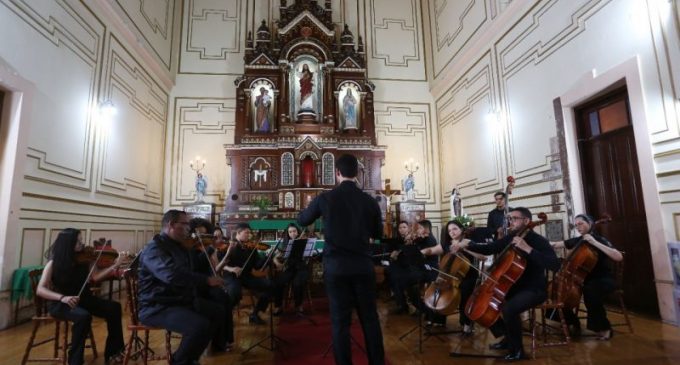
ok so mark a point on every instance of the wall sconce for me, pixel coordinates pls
(411, 166)
(197, 164)
(107, 110)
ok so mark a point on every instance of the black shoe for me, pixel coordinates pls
(500, 345)
(277, 313)
(398, 311)
(515, 355)
(255, 319)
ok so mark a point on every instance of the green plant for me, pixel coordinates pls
(261, 202)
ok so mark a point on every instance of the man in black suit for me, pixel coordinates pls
(496, 219)
(168, 288)
(530, 289)
(350, 219)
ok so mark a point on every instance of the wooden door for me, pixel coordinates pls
(611, 182)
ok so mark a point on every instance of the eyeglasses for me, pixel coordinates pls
(182, 223)
(514, 218)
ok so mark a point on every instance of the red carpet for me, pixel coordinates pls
(308, 342)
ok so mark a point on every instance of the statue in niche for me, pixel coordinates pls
(263, 103)
(408, 186)
(349, 110)
(306, 89)
(201, 187)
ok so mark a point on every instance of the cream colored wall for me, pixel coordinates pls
(515, 62)
(211, 57)
(61, 59)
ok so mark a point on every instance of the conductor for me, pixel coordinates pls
(350, 219)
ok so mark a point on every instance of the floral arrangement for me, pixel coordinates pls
(262, 202)
(465, 220)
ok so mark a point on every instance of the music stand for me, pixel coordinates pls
(296, 252)
(275, 340)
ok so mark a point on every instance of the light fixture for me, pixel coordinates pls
(197, 164)
(411, 166)
(107, 110)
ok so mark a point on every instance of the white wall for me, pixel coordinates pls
(61, 59)
(514, 60)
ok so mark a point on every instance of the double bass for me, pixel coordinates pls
(484, 306)
(567, 286)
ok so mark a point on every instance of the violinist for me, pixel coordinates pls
(409, 271)
(61, 281)
(205, 259)
(529, 290)
(292, 270)
(169, 287)
(452, 237)
(238, 264)
(598, 283)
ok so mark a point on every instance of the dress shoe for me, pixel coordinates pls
(515, 355)
(500, 345)
(398, 311)
(605, 335)
(277, 312)
(255, 319)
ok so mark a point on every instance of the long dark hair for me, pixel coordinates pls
(446, 238)
(286, 238)
(63, 255)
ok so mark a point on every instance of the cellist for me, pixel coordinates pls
(453, 236)
(599, 282)
(529, 290)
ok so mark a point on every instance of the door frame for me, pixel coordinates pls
(590, 86)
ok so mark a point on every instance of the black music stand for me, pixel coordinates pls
(275, 341)
(297, 252)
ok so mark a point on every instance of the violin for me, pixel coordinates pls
(485, 304)
(567, 285)
(103, 258)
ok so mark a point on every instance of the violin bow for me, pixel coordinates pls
(200, 241)
(89, 275)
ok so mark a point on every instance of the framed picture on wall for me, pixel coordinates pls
(674, 254)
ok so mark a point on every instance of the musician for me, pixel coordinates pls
(496, 219)
(238, 265)
(350, 219)
(409, 271)
(292, 270)
(62, 280)
(168, 288)
(452, 236)
(529, 290)
(205, 259)
(598, 284)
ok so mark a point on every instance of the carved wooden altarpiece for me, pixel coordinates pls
(303, 100)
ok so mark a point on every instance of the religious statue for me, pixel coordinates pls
(201, 186)
(456, 204)
(306, 87)
(263, 102)
(408, 185)
(349, 108)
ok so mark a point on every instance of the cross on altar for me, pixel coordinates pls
(388, 193)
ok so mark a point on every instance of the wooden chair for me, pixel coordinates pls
(554, 305)
(141, 345)
(617, 296)
(42, 316)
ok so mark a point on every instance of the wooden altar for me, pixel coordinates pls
(302, 101)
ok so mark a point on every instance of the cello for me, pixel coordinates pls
(443, 294)
(567, 286)
(484, 306)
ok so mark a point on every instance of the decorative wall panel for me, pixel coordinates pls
(396, 47)
(63, 64)
(408, 126)
(453, 24)
(201, 127)
(212, 36)
(137, 134)
(153, 20)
